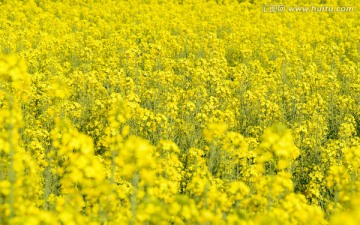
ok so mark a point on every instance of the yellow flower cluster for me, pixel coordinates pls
(178, 112)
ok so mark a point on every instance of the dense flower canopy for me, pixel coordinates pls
(179, 112)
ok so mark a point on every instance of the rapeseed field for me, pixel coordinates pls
(179, 112)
